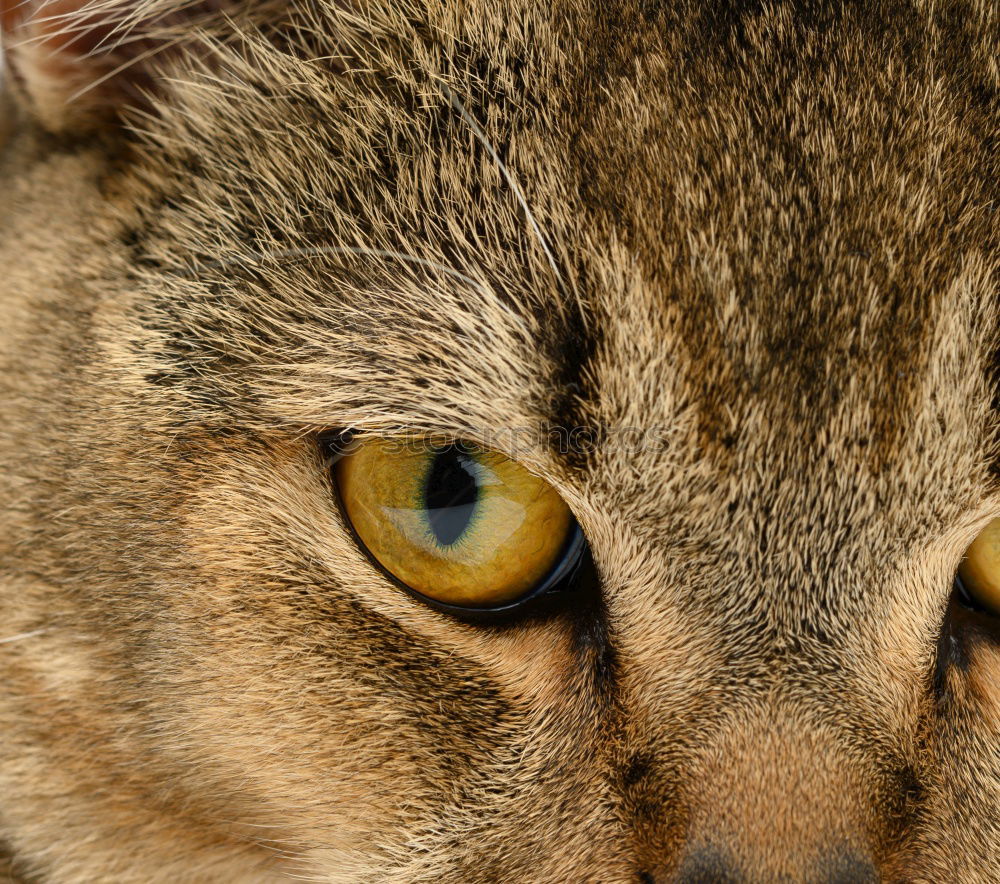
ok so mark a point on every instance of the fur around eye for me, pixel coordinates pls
(457, 524)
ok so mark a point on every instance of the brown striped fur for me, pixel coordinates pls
(766, 230)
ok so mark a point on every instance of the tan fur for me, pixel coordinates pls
(766, 233)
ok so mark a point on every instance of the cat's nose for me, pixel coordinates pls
(708, 865)
(773, 798)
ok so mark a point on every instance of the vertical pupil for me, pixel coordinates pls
(450, 493)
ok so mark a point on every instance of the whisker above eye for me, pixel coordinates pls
(21, 636)
(477, 130)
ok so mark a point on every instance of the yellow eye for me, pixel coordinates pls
(459, 524)
(980, 569)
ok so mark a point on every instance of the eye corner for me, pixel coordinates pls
(335, 442)
(961, 595)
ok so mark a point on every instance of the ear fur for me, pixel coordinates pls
(73, 64)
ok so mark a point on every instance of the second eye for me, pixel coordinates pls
(979, 573)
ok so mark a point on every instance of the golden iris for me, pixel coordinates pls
(456, 522)
(980, 569)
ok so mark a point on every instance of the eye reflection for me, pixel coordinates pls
(456, 523)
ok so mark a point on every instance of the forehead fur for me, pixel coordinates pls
(767, 235)
(759, 208)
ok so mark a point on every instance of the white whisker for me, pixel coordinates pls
(518, 193)
(21, 636)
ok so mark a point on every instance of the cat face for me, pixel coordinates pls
(724, 281)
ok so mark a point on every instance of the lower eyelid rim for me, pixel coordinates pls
(570, 559)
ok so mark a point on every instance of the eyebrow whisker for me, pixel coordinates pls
(21, 636)
(481, 136)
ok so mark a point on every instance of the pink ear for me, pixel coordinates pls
(75, 63)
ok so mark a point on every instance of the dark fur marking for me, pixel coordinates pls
(708, 865)
(638, 768)
(846, 867)
(592, 639)
(463, 699)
